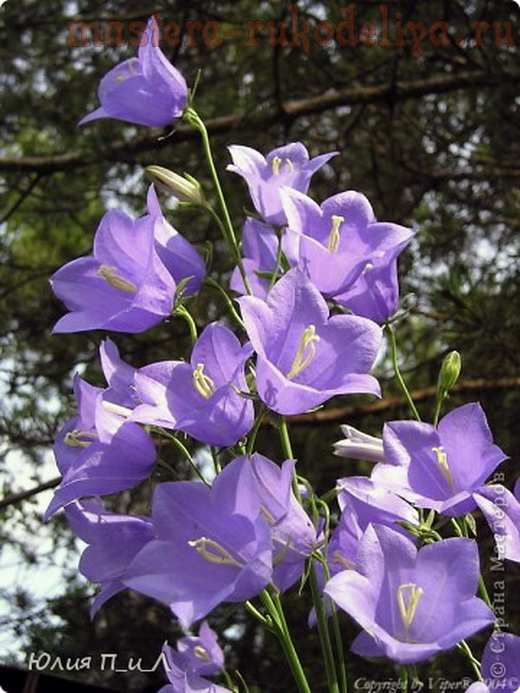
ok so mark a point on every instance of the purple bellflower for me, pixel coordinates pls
(113, 542)
(201, 653)
(362, 503)
(502, 512)
(123, 286)
(306, 357)
(500, 665)
(201, 398)
(375, 293)
(183, 680)
(292, 532)
(359, 446)
(177, 254)
(412, 604)
(146, 90)
(260, 248)
(120, 377)
(206, 552)
(265, 176)
(97, 451)
(440, 468)
(335, 243)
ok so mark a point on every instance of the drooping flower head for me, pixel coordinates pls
(182, 680)
(304, 356)
(293, 535)
(177, 254)
(211, 547)
(341, 242)
(97, 451)
(265, 176)
(146, 90)
(412, 604)
(123, 286)
(113, 542)
(440, 467)
(260, 248)
(363, 503)
(375, 293)
(201, 398)
(201, 653)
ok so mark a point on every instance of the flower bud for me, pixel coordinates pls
(184, 188)
(450, 371)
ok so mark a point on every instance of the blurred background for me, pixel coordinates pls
(422, 102)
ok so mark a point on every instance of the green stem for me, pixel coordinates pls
(323, 630)
(274, 607)
(212, 282)
(338, 640)
(463, 645)
(403, 677)
(278, 261)
(254, 432)
(182, 312)
(196, 121)
(438, 407)
(184, 450)
(483, 592)
(288, 452)
(393, 347)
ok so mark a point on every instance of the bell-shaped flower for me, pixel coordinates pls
(359, 446)
(502, 512)
(375, 293)
(185, 680)
(412, 604)
(123, 286)
(337, 242)
(260, 249)
(304, 356)
(120, 377)
(362, 503)
(440, 467)
(113, 542)
(202, 398)
(206, 552)
(177, 254)
(265, 176)
(201, 653)
(146, 90)
(500, 665)
(97, 451)
(293, 535)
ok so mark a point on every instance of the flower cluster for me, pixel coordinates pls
(313, 285)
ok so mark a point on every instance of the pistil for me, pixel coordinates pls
(110, 275)
(334, 235)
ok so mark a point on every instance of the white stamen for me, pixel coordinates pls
(442, 461)
(408, 598)
(306, 351)
(213, 552)
(74, 438)
(334, 236)
(202, 382)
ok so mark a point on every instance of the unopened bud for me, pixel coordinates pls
(184, 188)
(450, 371)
